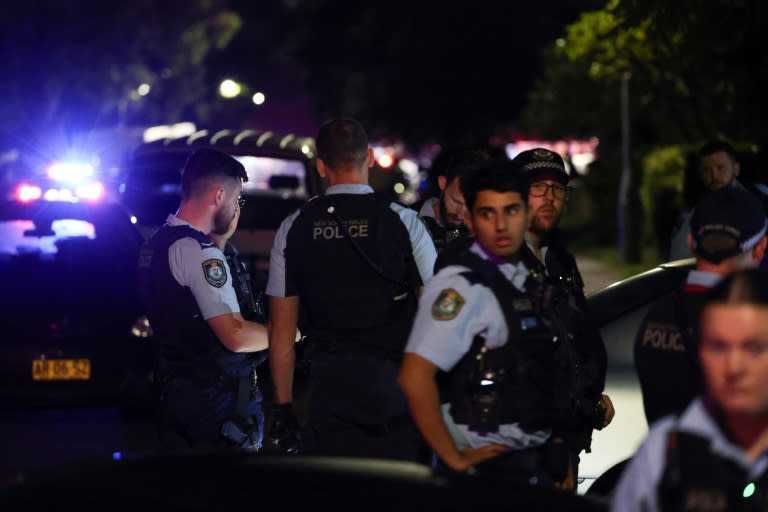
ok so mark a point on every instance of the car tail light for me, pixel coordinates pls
(26, 193)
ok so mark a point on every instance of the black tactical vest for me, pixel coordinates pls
(442, 235)
(697, 480)
(535, 378)
(188, 346)
(357, 281)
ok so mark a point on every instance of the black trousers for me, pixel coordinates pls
(356, 409)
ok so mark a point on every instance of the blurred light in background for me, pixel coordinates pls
(229, 88)
(259, 98)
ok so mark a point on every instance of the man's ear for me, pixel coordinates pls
(441, 182)
(321, 168)
(758, 251)
(371, 159)
(218, 198)
(736, 168)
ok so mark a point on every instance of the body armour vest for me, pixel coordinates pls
(536, 377)
(441, 235)
(357, 281)
(667, 346)
(187, 345)
(697, 480)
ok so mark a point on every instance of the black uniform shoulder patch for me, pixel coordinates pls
(215, 272)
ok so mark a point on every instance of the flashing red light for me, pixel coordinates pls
(26, 193)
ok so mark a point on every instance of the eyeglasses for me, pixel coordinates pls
(240, 201)
(539, 188)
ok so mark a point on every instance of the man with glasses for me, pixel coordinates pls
(546, 253)
(205, 366)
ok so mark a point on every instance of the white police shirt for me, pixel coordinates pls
(637, 489)
(451, 313)
(204, 270)
(424, 253)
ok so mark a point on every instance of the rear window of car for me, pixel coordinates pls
(66, 254)
(275, 187)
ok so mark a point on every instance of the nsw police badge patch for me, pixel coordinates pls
(447, 305)
(215, 272)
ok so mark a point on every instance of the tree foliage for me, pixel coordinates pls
(697, 68)
(76, 65)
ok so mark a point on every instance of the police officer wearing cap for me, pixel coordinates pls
(491, 324)
(209, 397)
(713, 455)
(728, 229)
(352, 264)
(546, 254)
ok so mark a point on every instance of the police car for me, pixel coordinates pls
(73, 329)
(281, 177)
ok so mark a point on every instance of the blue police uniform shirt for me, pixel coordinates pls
(423, 248)
(637, 489)
(204, 270)
(445, 341)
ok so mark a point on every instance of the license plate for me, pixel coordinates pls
(61, 369)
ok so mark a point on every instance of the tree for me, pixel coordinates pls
(76, 65)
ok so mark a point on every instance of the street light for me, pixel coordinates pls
(229, 88)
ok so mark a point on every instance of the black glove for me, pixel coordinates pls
(284, 434)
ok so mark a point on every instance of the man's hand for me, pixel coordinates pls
(469, 457)
(607, 405)
(284, 434)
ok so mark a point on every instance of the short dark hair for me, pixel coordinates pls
(342, 142)
(499, 176)
(749, 286)
(207, 164)
(716, 146)
(463, 160)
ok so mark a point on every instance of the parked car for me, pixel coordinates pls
(73, 328)
(618, 310)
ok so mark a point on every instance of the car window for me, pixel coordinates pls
(66, 255)
(276, 186)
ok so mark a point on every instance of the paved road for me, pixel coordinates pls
(596, 275)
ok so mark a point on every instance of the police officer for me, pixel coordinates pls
(546, 253)
(488, 322)
(353, 265)
(444, 215)
(714, 455)
(209, 396)
(728, 229)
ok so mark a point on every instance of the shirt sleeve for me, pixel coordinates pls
(206, 273)
(424, 252)
(451, 313)
(638, 486)
(277, 271)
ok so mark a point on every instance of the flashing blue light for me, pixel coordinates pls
(71, 172)
(117, 455)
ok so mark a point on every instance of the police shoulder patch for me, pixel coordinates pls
(215, 272)
(447, 305)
